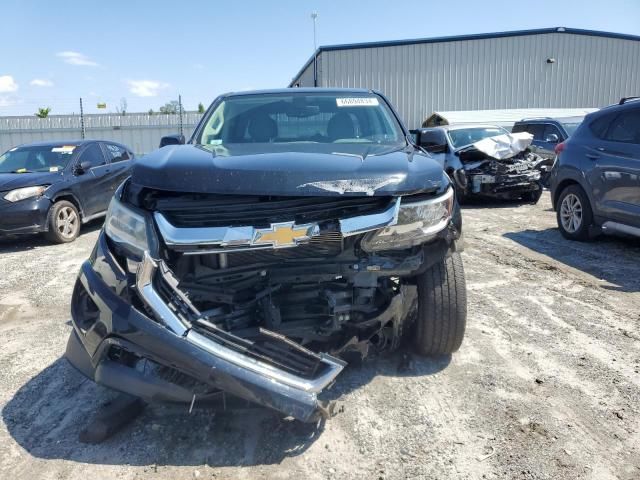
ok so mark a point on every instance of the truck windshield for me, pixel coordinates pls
(285, 118)
(42, 158)
(466, 136)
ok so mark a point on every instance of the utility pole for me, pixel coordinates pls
(81, 120)
(180, 114)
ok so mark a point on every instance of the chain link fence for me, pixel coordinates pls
(140, 131)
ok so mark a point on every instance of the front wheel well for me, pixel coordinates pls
(561, 186)
(69, 198)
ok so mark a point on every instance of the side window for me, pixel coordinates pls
(116, 153)
(551, 130)
(93, 153)
(535, 129)
(625, 128)
(600, 125)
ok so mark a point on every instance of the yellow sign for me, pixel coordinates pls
(102, 105)
(283, 235)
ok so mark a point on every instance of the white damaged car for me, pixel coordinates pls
(487, 161)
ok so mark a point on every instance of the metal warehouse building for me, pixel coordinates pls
(546, 68)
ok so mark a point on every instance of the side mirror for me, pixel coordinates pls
(176, 139)
(427, 142)
(436, 148)
(552, 138)
(83, 167)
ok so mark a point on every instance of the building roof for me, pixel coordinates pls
(459, 38)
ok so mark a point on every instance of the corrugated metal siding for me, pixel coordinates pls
(491, 73)
(139, 131)
(306, 76)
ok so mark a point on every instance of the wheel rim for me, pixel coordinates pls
(571, 213)
(67, 222)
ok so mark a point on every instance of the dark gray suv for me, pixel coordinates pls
(595, 181)
(547, 132)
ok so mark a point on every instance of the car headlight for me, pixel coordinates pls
(24, 193)
(417, 223)
(127, 228)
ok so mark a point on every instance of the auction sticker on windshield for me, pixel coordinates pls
(357, 102)
(64, 149)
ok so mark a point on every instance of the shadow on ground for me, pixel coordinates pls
(23, 243)
(46, 415)
(612, 259)
(478, 203)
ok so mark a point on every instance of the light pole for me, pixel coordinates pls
(314, 16)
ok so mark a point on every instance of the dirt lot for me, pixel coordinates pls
(546, 385)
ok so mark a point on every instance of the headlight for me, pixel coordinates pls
(26, 192)
(417, 223)
(128, 229)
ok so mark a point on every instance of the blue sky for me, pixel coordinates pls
(53, 52)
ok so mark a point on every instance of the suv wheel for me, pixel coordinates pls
(574, 213)
(442, 308)
(64, 222)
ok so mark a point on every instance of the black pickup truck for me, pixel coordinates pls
(296, 231)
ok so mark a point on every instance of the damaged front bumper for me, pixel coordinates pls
(505, 185)
(139, 344)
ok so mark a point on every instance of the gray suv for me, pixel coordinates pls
(595, 181)
(547, 132)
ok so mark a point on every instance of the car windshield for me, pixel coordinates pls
(466, 136)
(42, 158)
(286, 118)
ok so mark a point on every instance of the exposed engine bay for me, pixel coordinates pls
(502, 167)
(322, 295)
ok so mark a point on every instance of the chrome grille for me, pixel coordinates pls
(197, 211)
(328, 244)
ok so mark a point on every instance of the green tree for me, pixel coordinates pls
(170, 107)
(43, 112)
(151, 112)
(200, 108)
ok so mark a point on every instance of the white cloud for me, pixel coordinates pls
(146, 88)
(7, 84)
(41, 82)
(76, 58)
(7, 101)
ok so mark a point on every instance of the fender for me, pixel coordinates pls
(570, 172)
(68, 194)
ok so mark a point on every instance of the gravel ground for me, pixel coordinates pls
(546, 385)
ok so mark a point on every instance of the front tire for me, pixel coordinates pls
(574, 213)
(442, 308)
(532, 197)
(64, 222)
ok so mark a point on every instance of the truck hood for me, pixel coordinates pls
(285, 169)
(11, 181)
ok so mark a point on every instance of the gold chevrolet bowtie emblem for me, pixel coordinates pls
(284, 234)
